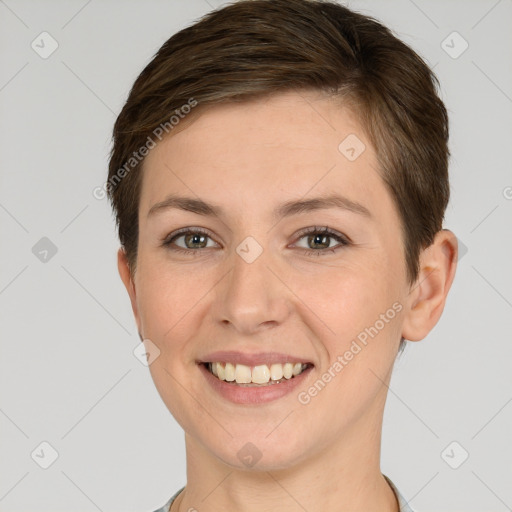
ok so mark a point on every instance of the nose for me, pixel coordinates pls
(253, 296)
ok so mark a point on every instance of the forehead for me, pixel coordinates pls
(278, 147)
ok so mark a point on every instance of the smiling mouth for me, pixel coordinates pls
(261, 375)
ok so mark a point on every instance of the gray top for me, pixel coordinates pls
(404, 506)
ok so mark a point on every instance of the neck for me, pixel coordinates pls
(342, 477)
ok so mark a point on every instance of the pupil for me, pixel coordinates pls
(317, 239)
(195, 239)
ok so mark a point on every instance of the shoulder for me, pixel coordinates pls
(167, 506)
(402, 503)
(404, 506)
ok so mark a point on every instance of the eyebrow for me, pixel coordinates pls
(287, 209)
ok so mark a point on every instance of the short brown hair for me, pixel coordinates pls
(254, 48)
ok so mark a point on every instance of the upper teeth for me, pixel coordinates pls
(261, 374)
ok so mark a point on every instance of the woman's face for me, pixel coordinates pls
(263, 283)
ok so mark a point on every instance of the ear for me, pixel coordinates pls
(428, 294)
(126, 277)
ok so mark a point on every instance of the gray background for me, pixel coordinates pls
(68, 375)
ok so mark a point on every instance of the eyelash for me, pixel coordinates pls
(325, 231)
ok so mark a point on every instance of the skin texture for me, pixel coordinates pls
(248, 158)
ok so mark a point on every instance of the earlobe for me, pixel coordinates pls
(125, 274)
(428, 295)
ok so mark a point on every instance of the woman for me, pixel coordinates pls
(279, 179)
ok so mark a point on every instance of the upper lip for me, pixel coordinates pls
(251, 359)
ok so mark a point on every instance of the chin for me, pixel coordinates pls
(260, 453)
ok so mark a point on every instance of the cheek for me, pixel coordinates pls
(173, 301)
(163, 299)
(362, 305)
(168, 305)
(364, 311)
(350, 298)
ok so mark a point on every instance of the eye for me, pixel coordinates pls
(320, 240)
(188, 240)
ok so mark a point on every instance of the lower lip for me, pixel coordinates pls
(253, 394)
